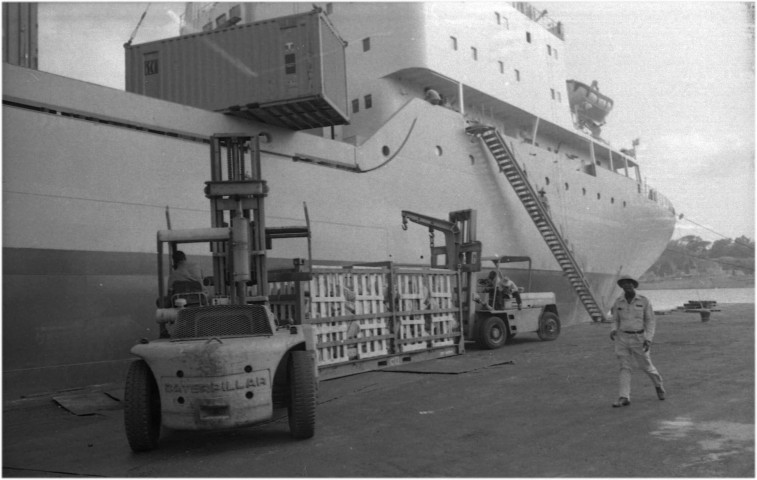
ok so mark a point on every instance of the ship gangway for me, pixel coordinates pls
(505, 159)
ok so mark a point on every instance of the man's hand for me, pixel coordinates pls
(612, 335)
(646, 345)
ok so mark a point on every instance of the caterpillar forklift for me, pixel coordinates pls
(223, 360)
(491, 315)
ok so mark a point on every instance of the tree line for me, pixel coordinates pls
(691, 255)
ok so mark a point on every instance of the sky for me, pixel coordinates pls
(681, 75)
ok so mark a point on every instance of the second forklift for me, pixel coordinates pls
(492, 317)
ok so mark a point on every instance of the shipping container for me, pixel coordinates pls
(20, 42)
(288, 71)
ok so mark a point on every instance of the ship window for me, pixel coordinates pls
(612, 199)
(584, 191)
(567, 186)
(499, 19)
(552, 91)
(599, 195)
(528, 37)
(517, 74)
(366, 44)
(555, 52)
(474, 52)
(472, 159)
(355, 106)
(546, 179)
(549, 50)
(454, 42)
(559, 97)
(501, 67)
(624, 204)
(439, 151)
(385, 151)
(368, 101)
(506, 22)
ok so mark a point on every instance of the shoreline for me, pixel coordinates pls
(693, 283)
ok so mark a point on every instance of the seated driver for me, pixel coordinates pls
(184, 271)
(502, 288)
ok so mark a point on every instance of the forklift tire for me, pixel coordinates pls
(549, 326)
(141, 408)
(302, 394)
(493, 333)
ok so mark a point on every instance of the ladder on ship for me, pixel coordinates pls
(548, 230)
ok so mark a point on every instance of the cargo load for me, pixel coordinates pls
(288, 71)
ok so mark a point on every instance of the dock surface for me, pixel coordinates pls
(530, 409)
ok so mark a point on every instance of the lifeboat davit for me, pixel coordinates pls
(587, 103)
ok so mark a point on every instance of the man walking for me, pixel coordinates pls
(633, 327)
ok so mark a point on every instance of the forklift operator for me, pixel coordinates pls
(184, 271)
(502, 288)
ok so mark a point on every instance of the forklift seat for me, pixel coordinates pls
(189, 290)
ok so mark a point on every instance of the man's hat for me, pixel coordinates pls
(628, 278)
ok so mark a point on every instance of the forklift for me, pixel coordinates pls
(490, 317)
(499, 316)
(223, 360)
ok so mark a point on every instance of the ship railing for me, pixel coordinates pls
(657, 197)
(540, 17)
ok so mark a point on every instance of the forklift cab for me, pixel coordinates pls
(485, 286)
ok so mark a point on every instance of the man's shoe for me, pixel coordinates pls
(622, 402)
(660, 393)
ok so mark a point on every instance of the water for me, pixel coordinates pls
(669, 299)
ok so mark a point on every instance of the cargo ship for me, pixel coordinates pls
(340, 103)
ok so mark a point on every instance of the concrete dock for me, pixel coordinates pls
(531, 409)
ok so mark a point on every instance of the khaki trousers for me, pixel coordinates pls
(630, 346)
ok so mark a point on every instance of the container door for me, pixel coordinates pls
(151, 69)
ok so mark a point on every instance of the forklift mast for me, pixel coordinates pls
(237, 192)
(461, 249)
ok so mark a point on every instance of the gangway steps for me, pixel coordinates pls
(509, 167)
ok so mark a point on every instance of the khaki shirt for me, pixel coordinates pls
(634, 316)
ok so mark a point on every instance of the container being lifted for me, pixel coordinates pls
(288, 71)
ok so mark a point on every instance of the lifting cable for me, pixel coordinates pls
(134, 33)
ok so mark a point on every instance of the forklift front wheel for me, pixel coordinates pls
(141, 408)
(549, 326)
(493, 333)
(302, 394)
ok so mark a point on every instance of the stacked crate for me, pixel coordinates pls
(361, 313)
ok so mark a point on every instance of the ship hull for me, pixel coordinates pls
(89, 171)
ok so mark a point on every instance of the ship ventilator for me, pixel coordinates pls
(504, 157)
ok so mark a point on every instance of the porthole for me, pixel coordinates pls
(612, 200)
(472, 159)
(567, 186)
(599, 195)
(385, 150)
(624, 204)
(584, 191)
(439, 151)
(546, 179)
